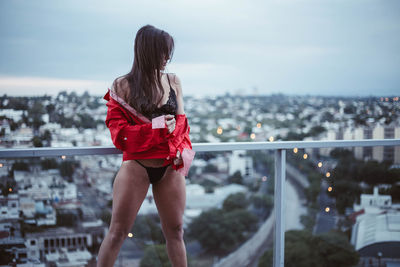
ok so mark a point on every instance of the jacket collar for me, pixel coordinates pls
(111, 93)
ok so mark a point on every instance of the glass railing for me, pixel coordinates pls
(241, 199)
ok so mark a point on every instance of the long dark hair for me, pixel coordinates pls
(152, 47)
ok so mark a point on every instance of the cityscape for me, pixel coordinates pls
(55, 211)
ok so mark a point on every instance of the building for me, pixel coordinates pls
(9, 207)
(55, 244)
(376, 232)
(197, 200)
(390, 154)
(242, 163)
(16, 247)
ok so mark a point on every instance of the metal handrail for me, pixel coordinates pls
(280, 166)
(199, 147)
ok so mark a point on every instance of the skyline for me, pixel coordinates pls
(290, 47)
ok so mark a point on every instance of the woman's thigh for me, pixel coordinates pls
(170, 197)
(129, 190)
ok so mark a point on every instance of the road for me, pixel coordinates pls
(249, 253)
(325, 221)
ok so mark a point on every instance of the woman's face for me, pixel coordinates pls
(164, 63)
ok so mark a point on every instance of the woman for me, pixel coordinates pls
(147, 122)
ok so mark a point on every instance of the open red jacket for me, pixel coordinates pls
(133, 133)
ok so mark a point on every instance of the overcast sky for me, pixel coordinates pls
(341, 47)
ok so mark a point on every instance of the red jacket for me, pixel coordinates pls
(133, 133)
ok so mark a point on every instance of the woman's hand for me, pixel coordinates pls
(178, 159)
(170, 122)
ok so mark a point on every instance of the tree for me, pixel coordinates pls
(6, 257)
(37, 142)
(67, 168)
(5, 186)
(49, 164)
(346, 193)
(236, 178)
(316, 130)
(395, 193)
(50, 108)
(147, 227)
(46, 136)
(155, 256)
(327, 116)
(341, 153)
(313, 190)
(20, 166)
(210, 168)
(302, 249)
(35, 113)
(293, 136)
(235, 201)
(86, 121)
(262, 202)
(350, 109)
(373, 172)
(105, 216)
(219, 231)
(266, 259)
(308, 221)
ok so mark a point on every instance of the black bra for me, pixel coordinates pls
(168, 108)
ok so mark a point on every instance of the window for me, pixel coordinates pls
(33, 242)
(389, 133)
(388, 154)
(367, 133)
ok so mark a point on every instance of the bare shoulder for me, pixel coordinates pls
(176, 82)
(121, 87)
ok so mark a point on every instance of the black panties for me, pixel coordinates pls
(155, 174)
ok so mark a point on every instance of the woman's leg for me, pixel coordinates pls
(170, 197)
(129, 190)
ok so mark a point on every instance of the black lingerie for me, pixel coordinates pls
(156, 173)
(168, 108)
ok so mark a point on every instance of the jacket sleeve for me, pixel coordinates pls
(129, 137)
(176, 138)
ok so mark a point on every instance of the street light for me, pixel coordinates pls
(379, 254)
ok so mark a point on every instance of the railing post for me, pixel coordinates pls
(280, 178)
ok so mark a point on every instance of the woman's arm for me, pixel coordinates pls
(176, 84)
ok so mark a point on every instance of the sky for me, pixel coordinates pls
(295, 47)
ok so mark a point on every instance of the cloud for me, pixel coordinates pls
(291, 46)
(28, 86)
